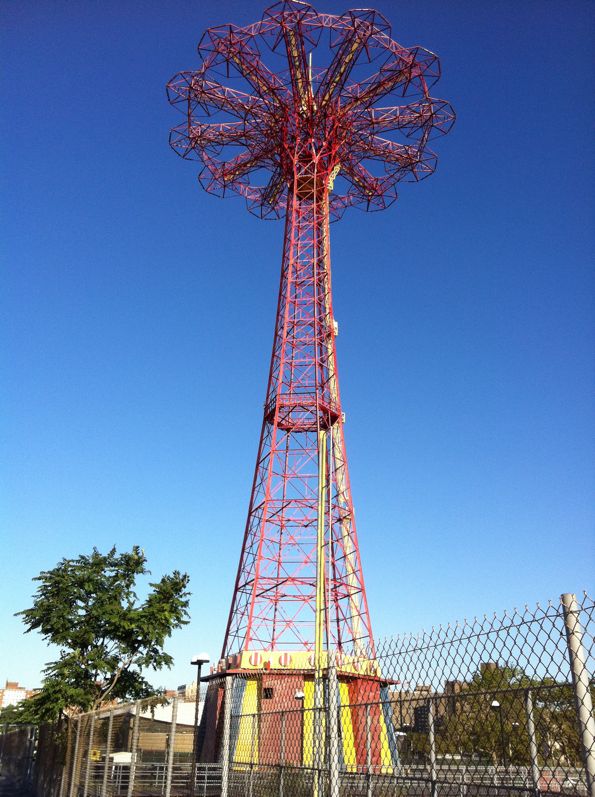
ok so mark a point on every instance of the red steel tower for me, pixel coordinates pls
(305, 114)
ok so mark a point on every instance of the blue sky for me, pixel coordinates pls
(137, 317)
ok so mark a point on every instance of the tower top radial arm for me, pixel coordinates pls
(255, 109)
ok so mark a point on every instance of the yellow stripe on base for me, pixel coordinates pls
(247, 741)
(385, 756)
(349, 754)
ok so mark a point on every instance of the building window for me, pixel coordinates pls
(267, 693)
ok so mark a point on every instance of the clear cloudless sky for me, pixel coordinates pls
(137, 318)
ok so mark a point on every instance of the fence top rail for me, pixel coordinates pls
(119, 709)
(467, 630)
(476, 630)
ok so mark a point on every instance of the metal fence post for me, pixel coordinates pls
(33, 755)
(532, 741)
(133, 751)
(108, 747)
(432, 743)
(580, 682)
(171, 746)
(368, 751)
(333, 725)
(319, 737)
(252, 740)
(282, 755)
(225, 747)
(74, 757)
(89, 754)
(31, 747)
(66, 757)
(2, 742)
(463, 788)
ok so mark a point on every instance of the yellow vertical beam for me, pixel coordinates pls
(301, 74)
(320, 614)
(320, 557)
(246, 750)
(337, 454)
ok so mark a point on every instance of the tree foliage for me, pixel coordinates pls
(490, 720)
(484, 720)
(106, 635)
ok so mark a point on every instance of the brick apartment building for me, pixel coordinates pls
(13, 693)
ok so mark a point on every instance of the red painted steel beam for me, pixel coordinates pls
(305, 143)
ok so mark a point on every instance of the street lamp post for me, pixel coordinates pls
(497, 707)
(198, 660)
(513, 742)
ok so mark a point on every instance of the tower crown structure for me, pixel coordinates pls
(304, 115)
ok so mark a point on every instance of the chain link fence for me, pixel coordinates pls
(490, 707)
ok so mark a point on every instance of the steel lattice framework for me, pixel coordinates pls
(305, 141)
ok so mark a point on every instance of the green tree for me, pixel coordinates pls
(487, 718)
(556, 723)
(106, 635)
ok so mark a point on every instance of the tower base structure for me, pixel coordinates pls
(279, 718)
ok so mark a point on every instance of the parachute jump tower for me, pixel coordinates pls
(305, 115)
